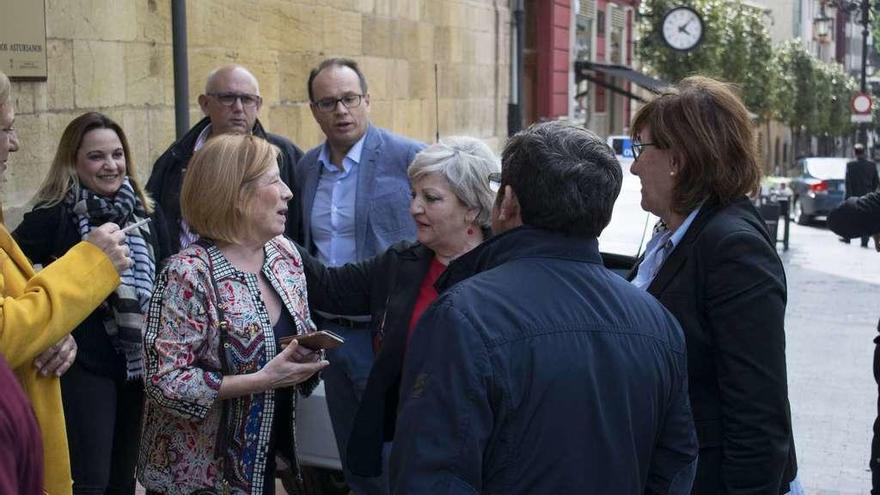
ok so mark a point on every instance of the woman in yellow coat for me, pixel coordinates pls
(37, 310)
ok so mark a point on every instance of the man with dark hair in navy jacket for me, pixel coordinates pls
(538, 370)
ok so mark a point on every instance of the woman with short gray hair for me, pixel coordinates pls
(465, 163)
(451, 206)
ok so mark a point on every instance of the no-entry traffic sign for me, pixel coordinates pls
(861, 105)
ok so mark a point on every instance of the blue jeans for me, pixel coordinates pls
(344, 383)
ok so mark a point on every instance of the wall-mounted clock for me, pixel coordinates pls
(682, 28)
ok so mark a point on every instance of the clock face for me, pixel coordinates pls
(682, 28)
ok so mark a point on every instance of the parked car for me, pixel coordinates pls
(621, 243)
(817, 187)
(622, 146)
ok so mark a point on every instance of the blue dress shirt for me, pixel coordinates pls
(659, 247)
(333, 230)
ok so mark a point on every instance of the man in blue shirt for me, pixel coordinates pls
(355, 201)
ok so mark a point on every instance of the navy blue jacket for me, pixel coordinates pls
(543, 372)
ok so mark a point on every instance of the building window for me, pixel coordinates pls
(616, 48)
(601, 97)
(600, 23)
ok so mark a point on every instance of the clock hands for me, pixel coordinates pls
(683, 27)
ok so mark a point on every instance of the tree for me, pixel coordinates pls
(735, 47)
(811, 97)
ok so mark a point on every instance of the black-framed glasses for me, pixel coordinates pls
(246, 99)
(495, 181)
(348, 101)
(638, 148)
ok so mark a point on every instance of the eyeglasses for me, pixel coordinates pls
(637, 149)
(329, 104)
(495, 181)
(229, 99)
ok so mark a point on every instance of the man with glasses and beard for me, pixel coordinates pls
(231, 103)
(355, 203)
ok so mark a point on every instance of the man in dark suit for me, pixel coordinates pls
(861, 179)
(859, 217)
(355, 203)
(231, 103)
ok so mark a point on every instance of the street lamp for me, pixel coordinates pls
(850, 6)
(822, 26)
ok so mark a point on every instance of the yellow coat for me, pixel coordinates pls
(36, 311)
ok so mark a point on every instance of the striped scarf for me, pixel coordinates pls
(128, 304)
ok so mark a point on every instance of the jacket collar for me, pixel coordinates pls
(184, 146)
(684, 248)
(518, 243)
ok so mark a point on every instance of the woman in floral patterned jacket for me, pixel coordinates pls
(221, 393)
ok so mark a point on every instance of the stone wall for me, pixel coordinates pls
(115, 56)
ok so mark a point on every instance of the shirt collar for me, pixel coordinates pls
(683, 228)
(203, 138)
(353, 156)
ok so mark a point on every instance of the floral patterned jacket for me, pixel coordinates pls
(184, 422)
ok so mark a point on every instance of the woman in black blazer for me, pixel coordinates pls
(451, 206)
(92, 180)
(712, 263)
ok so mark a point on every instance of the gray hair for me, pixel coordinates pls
(4, 88)
(465, 163)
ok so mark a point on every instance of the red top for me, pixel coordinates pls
(21, 454)
(427, 294)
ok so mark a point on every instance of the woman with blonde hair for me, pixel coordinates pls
(91, 181)
(39, 310)
(221, 392)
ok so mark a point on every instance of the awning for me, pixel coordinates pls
(584, 69)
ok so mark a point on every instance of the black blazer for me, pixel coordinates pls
(856, 217)
(861, 178)
(726, 286)
(385, 286)
(46, 234)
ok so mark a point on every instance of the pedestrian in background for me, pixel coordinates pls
(537, 370)
(861, 179)
(712, 263)
(221, 393)
(92, 180)
(39, 310)
(859, 217)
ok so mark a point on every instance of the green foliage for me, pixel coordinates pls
(788, 83)
(735, 47)
(811, 95)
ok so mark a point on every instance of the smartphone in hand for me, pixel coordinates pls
(315, 341)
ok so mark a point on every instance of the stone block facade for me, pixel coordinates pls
(115, 56)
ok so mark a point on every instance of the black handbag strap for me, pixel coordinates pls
(223, 432)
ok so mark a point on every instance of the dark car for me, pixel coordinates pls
(817, 187)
